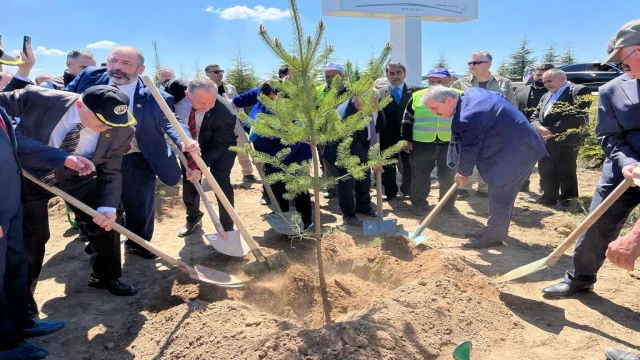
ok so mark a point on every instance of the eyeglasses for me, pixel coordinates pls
(215, 71)
(622, 66)
(477, 62)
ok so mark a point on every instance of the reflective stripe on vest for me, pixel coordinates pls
(427, 127)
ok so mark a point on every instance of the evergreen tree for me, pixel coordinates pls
(304, 117)
(441, 62)
(550, 55)
(568, 57)
(156, 64)
(348, 71)
(379, 72)
(356, 72)
(241, 75)
(520, 60)
(183, 74)
(503, 68)
(198, 71)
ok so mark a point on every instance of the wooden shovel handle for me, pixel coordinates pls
(379, 188)
(436, 210)
(203, 167)
(116, 227)
(590, 220)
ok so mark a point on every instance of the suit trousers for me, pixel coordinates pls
(389, 176)
(221, 171)
(302, 201)
(138, 196)
(13, 281)
(591, 248)
(558, 172)
(501, 201)
(483, 187)
(423, 158)
(105, 245)
(243, 159)
(350, 202)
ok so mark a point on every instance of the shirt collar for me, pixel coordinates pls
(401, 87)
(125, 88)
(73, 115)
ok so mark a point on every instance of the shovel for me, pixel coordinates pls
(198, 272)
(226, 242)
(379, 226)
(275, 261)
(279, 221)
(462, 351)
(573, 237)
(416, 237)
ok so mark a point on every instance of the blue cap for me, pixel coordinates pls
(439, 73)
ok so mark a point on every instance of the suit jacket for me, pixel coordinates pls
(150, 127)
(618, 128)
(360, 143)
(10, 176)
(217, 132)
(522, 100)
(40, 110)
(393, 114)
(494, 136)
(558, 122)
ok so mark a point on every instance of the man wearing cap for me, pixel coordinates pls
(618, 131)
(427, 137)
(57, 133)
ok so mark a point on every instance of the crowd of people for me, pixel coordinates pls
(98, 134)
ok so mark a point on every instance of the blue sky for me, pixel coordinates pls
(212, 31)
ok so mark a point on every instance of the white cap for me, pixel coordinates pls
(334, 66)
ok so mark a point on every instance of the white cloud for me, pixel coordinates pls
(258, 13)
(41, 50)
(103, 44)
(15, 52)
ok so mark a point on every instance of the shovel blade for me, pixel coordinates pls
(283, 223)
(215, 277)
(420, 239)
(228, 243)
(273, 262)
(524, 270)
(462, 351)
(375, 227)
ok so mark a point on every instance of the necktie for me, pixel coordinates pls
(192, 124)
(396, 95)
(372, 132)
(4, 126)
(69, 144)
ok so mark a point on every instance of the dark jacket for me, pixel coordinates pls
(528, 98)
(10, 176)
(217, 132)
(60, 82)
(393, 115)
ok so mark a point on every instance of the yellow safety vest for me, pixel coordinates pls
(427, 126)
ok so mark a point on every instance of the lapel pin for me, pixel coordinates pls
(138, 105)
(107, 135)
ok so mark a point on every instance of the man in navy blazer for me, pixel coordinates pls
(618, 132)
(149, 155)
(497, 138)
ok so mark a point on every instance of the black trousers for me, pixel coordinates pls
(13, 281)
(302, 201)
(105, 245)
(352, 194)
(558, 172)
(389, 177)
(221, 171)
(424, 158)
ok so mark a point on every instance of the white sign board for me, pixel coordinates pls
(429, 10)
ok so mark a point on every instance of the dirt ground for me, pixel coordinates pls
(390, 299)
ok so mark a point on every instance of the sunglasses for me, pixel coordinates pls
(622, 66)
(477, 62)
(215, 71)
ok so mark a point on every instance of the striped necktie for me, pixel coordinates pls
(69, 145)
(193, 129)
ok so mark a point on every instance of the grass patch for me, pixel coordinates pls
(376, 242)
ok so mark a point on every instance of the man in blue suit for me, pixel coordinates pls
(148, 155)
(497, 138)
(618, 131)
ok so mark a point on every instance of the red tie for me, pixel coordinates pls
(4, 126)
(194, 135)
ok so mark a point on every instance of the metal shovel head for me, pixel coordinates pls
(215, 277)
(462, 351)
(276, 261)
(375, 227)
(283, 223)
(228, 243)
(418, 239)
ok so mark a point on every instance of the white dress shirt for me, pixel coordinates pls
(183, 109)
(554, 98)
(130, 91)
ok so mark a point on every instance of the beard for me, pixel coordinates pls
(124, 80)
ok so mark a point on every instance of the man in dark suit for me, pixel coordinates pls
(148, 155)
(496, 138)
(618, 131)
(58, 133)
(528, 97)
(401, 93)
(563, 109)
(361, 142)
(15, 324)
(212, 122)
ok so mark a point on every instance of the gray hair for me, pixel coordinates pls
(74, 54)
(438, 93)
(556, 72)
(201, 84)
(486, 54)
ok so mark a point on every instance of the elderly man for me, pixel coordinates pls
(481, 77)
(618, 131)
(427, 137)
(562, 110)
(77, 61)
(165, 75)
(493, 135)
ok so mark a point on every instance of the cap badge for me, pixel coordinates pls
(120, 109)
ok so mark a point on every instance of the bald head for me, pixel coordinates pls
(124, 64)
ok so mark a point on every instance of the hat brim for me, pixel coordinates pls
(439, 76)
(130, 120)
(9, 60)
(613, 57)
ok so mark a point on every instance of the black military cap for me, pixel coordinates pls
(109, 105)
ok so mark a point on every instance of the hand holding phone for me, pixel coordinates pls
(26, 41)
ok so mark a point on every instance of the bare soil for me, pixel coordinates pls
(390, 299)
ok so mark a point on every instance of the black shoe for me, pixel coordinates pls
(463, 194)
(367, 212)
(475, 234)
(264, 200)
(389, 198)
(617, 354)
(419, 210)
(140, 251)
(482, 243)
(189, 227)
(563, 289)
(482, 194)
(328, 194)
(82, 237)
(42, 328)
(116, 287)
(250, 179)
(542, 201)
(351, 221)
(24, 351)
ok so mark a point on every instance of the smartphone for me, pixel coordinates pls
(26, 41)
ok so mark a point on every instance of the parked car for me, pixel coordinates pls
(591, 74)
(527, 78)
